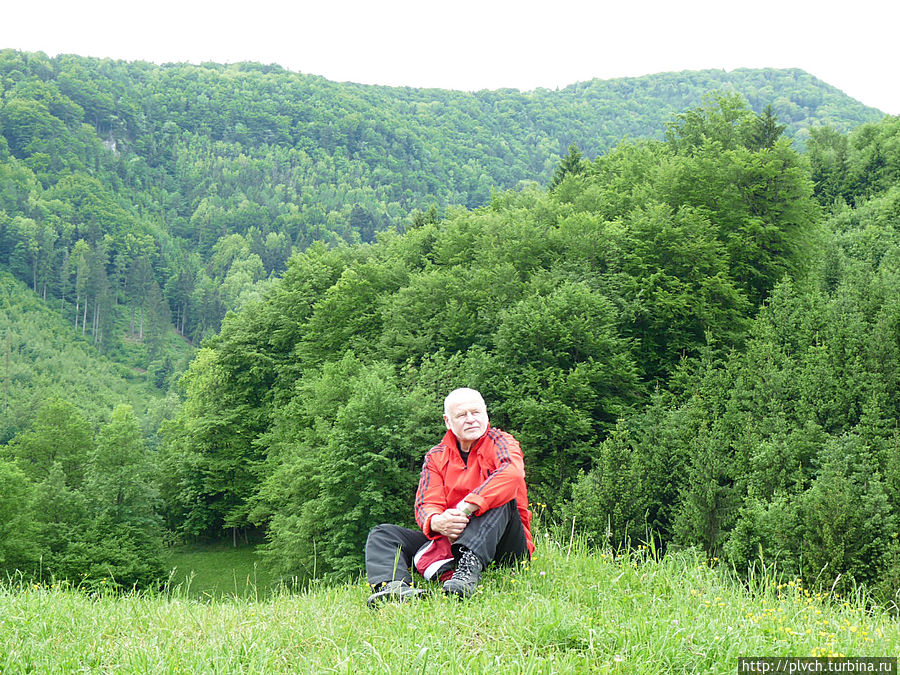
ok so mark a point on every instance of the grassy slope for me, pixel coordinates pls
(49, 358)
(564, 613)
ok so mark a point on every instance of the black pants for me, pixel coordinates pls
(494, 535)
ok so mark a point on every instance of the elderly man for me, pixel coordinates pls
(471, 506)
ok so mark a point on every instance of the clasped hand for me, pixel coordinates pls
(450, 523)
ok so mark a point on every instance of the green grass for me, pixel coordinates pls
(217, 570)
(563, 613)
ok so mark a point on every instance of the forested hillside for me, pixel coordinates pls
(684, 338)
(180, 191)
(42, 358)
(693, 333)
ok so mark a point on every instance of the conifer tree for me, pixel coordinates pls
(762, 132)
(570, 165)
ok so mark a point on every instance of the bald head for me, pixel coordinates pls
(465, 414)
(463, 393)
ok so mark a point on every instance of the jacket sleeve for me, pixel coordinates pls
(506, 478)
(430, 494)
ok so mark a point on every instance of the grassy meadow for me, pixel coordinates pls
(215, 570)
(568, 611)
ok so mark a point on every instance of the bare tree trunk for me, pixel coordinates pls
(77, 303)
(95, 327)
(84, 316)
(142, 325)
(6, 380)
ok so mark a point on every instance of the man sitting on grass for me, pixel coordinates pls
(472, 506)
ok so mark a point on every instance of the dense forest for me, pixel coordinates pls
(694, 333)
(177, 193)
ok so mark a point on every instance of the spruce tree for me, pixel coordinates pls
(570, 165)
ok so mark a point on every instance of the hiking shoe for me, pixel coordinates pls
(394, 591)
(466, 577)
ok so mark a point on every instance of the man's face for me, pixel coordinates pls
(467, 417)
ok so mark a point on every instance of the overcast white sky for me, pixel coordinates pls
(470, 44)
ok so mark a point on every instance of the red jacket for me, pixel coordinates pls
(494, 474)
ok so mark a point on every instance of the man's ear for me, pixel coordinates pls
(447, 422)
